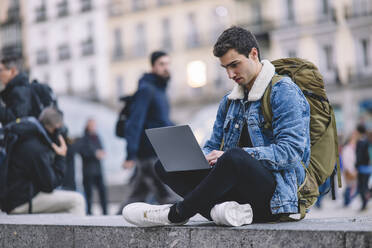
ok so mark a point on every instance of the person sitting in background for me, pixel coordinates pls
(91, 151)
(36, 168)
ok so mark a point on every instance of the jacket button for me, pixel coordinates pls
(236, 125)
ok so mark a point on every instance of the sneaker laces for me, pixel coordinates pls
(159, 215)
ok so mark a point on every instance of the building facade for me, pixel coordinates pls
(66, 46)
(186, 29)
(336, 35)
(11, 28)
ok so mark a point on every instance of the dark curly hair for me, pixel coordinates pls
(236, 38)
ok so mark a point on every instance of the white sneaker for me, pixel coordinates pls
(146, 215)
(232, 214)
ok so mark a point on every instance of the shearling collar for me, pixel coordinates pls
(259, 86)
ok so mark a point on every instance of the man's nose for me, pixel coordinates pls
(230, 73)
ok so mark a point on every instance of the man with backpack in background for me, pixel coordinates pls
(35, 167)
(149, 108)
(259, 150)
(16, 95)
(20, 97)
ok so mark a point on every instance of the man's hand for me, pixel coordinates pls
(213, 156)
(100, 154)
(62, 149)
(128, 164)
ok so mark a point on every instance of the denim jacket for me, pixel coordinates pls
(285, 147)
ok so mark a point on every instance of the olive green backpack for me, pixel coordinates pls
(323, 132)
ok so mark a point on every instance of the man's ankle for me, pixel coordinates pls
(174, 215)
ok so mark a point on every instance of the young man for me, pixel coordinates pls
(258, 170)
(17, 91)
(149, 109)
(36, 168)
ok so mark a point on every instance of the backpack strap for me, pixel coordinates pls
(266, 105)
(333, 120)
(226, 110)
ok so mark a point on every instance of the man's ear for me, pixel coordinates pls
(14, 71)
(253, 54)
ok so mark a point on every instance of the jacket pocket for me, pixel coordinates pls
(227, 124)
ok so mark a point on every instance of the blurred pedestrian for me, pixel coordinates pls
(149, 109)
(36, 168)
(91, 151)
(349, 171)
(363, 165)
(16, 95)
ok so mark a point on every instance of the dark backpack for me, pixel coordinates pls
(42, 97)
(123, 116)
(10, 134)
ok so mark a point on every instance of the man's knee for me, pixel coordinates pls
(235, 157)
(77, 202)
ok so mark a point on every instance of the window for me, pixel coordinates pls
(40, 12)
(64, 52)
(325, 7)
(292, 54)
(138, 5)
(87, 46)
(192, 36)
(167, 39)
(68, 80)
(86, 5)
(62, 8)
(328, 53)
(14, 10)
(92, 79)
(290, 11)
(119, 86)
(42, 57)
(365, 52)
(118, 52)
(140, 49)
(163, 2)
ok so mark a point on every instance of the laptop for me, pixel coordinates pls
(177, 148)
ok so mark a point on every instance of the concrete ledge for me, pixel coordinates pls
(112, 231)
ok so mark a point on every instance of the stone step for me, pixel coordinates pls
(63, 230)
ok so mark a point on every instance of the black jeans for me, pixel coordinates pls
(235, 177)
(363, 188)
(96, 180)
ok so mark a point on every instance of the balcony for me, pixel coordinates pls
(87, 47)
(329, 16)
(12, 49)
